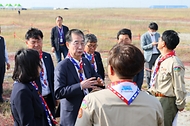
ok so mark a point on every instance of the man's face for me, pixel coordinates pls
(36, 44)
(76, 46)
(124, 39)
(161, 43)
(59, 21)
(90, 47)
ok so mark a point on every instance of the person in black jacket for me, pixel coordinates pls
(26, 105)
(58, 42)
(93, 56)
(3, 60)
(124, 36)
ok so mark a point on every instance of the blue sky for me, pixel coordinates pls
(95, 3)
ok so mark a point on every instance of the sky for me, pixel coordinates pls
(94, 3)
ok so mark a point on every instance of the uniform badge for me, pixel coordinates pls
(126, 88)
(177, 69)
(80, 113)
(84, 104)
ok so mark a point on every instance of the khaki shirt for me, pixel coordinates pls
(170, 80)
(104, 108)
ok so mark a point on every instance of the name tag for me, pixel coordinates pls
(61, 40)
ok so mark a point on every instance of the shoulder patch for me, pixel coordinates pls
(177, 69)
(84, 104)
(80, 113)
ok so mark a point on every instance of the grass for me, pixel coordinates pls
(104, 23)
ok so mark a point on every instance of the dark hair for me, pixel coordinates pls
(90, 38)
(68, 36)
(33, 33)
(27, 62)
(126, 60)
(153, 26)
(124, 31)
(171, 39)
(59, 17)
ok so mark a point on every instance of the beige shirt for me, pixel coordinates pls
(170, 80)
(104, 108)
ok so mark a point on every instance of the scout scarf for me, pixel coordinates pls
(44, 84)
(90, 57)
(125, 90)
(80, 70)
(45, 106)
(157, 66)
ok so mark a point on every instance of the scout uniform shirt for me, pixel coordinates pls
(169, 80)
(104, 108)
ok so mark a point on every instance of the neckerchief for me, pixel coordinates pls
(90, 57)
(80, 70)
(125, 90)
(79, 67)
(157, 66)
(42, 72)
(45, 106)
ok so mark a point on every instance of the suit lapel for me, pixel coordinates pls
(72, 69)
(86, 68)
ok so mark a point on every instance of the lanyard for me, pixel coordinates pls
(60, 30)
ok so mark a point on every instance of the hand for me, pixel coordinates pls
(8, 66)
(100, 82)
(154, 43)
(89, 83)
(57, 102)
(52, 49)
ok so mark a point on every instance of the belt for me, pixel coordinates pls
(46, 96)
(158, 94)
(61, 44)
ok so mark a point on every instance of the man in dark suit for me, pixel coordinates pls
(74, 78)
(124, 36)
(93, 56)
(149, 43)
(58, 39)
(34, 38)
(3, 59)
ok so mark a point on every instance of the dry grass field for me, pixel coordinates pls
(105, 23)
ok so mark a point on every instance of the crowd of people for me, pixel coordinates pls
(76, 92)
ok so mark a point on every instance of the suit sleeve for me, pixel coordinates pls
(179, 85)
(145, 45)
(52, 37)
(24, 107)
(64, 84)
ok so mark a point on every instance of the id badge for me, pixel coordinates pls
(61, 40)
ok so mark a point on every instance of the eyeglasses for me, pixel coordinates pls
(92, 46)
(78, 44)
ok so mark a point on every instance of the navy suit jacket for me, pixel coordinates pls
(26, 106)
(100, 67)
(68, 90)
(50, 77)
(146, 45)
(55, 38)
(50, 72)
